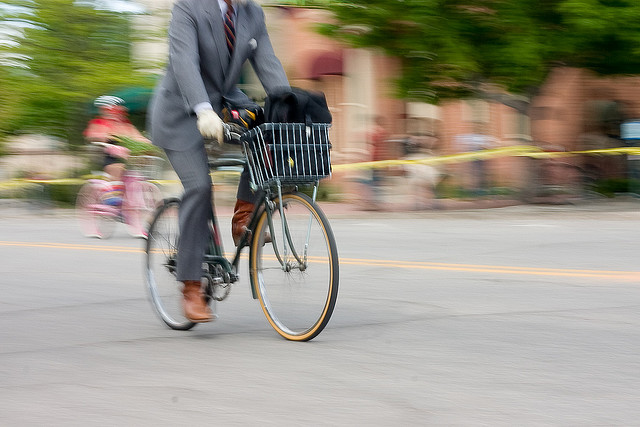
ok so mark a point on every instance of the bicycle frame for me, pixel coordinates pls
(128, 196)
(215, 252)
(102, 208)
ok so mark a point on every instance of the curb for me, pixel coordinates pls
(224, 207)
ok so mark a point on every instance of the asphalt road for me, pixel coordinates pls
(513, 316)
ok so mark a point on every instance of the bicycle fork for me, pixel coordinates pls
(287, 243)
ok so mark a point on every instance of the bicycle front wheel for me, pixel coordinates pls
(161, 251)
(296, 275)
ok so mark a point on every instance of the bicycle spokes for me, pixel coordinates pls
(295, 276)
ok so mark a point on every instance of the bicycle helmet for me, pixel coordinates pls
(110, 104)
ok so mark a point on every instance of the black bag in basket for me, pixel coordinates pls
(297, 106)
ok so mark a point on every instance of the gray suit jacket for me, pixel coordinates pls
(200, 68)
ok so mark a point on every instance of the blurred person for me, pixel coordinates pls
(209, 41)
(421, 178)
(603, 131)
(378, 144)
(477, 142)
(112, 123)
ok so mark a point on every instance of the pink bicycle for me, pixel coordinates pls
(99, 212)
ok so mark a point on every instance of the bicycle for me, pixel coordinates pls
(293, 258)
(98, 218)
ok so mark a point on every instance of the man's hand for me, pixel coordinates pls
(210, 125)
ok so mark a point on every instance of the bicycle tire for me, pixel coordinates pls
(161, 250)
(89, 211)
(299, 300)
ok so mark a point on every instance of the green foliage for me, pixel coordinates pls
(63, 194)
(60, 193)
(67, 56)
(18, 189)
(604, 34)
(138, 148)
(327, 192)
(451, 48)
(611, 186)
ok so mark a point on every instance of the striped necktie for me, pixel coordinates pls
(229, 28)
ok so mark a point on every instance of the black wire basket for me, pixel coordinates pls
(287, 153)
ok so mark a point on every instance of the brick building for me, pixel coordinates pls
(573, 110)
(577, 110)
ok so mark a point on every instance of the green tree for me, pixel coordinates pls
(601, 35)
(66, 56)
(454, 48)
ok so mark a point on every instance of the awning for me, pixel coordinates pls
(326, 64)
(136, 99)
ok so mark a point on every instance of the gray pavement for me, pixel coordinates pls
(491, 314)
(399, 204)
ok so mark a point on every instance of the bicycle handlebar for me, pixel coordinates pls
(100, 143)
(232, 134)
(221, 163)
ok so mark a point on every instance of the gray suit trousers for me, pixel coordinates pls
(195, 211)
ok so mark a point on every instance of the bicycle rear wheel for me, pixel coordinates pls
(161, 251)
(94, 217)
(296, 275)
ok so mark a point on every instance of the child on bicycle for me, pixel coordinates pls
(112, 123)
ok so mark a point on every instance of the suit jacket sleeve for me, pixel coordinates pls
(183, 52)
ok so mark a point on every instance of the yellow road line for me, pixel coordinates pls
(499, 269)
(72, 246)
(412, 265)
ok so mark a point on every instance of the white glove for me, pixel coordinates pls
(210, 125)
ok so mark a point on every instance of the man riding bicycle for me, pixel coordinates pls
(209, 41)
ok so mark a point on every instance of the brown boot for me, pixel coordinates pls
(194, 305)
(241, 216)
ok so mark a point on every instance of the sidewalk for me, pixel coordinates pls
(398, 202)
(449, 207)
(488, 207)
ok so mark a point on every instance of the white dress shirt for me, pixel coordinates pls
(206, 105)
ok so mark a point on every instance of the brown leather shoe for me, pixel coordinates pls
(194, 305)
(241, 216)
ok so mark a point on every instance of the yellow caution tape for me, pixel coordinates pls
(515, 150)
(14, 183)
(632, 151)
(67, 181)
